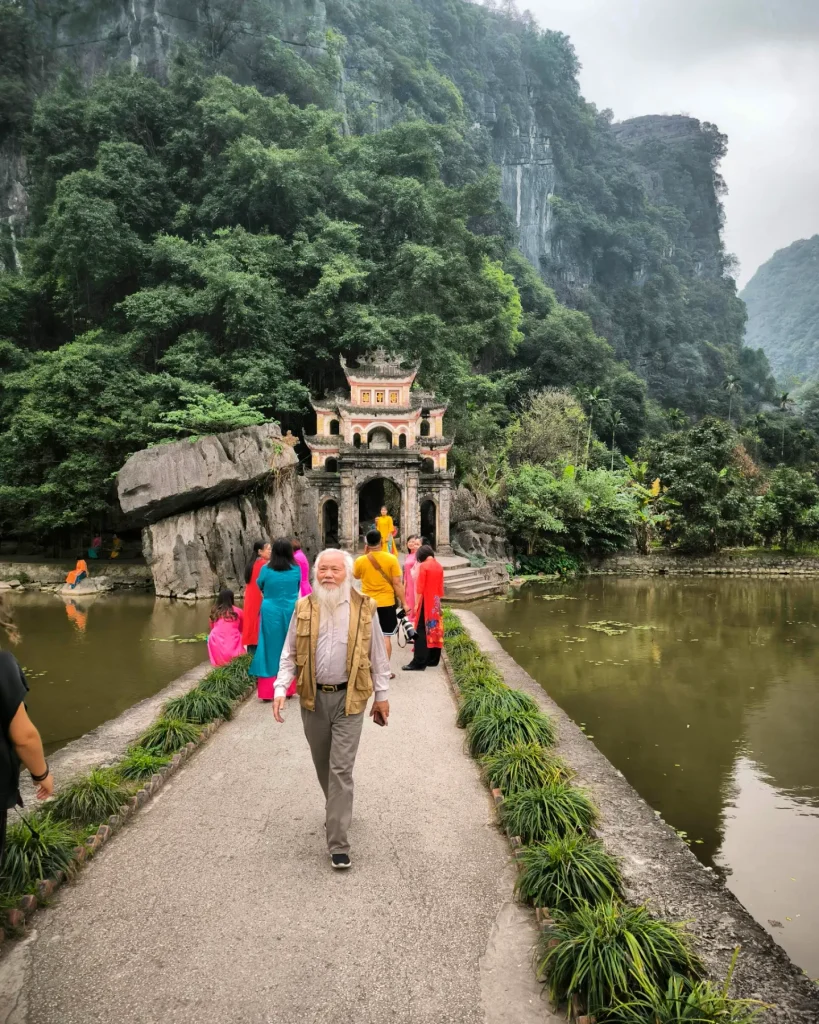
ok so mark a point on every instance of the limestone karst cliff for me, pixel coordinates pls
(623, 220)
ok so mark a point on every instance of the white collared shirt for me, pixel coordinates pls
(331, 653)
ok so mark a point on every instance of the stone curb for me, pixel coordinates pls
(17, 917)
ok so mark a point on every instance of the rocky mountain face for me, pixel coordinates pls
(96, 35)
(623, 220)
(783, 310)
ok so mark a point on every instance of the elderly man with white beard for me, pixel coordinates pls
(336, 648)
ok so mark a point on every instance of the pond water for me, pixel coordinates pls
(705, 694)
(89, 659)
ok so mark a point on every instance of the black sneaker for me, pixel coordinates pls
(414, 668)
(340, 861)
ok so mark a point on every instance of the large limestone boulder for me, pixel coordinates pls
(173, 478)
(484, 540)
(194, 554)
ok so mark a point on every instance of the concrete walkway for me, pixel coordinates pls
(217, 904)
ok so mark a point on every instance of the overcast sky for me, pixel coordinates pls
(749, 66)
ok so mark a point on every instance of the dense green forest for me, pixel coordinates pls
(783, 310)
(199, 252)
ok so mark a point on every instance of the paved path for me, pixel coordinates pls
(217, 904)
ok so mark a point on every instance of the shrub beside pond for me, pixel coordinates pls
(140, 763)
(557, 808)
(91, 799)
(490, 698)
(519, 766)
(492, 730)
(564, 871)
(199, 706)
(38, 847)
(609, 953)
(167, 735)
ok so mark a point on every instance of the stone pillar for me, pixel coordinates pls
(412, 507)
(347, 514)
(444, 496)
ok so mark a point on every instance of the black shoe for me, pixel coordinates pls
(340, 861)
(412, 667)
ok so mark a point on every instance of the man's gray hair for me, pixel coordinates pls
(348, 562)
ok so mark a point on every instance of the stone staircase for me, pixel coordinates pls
(464, 582)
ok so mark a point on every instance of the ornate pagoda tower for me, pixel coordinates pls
(382, 443)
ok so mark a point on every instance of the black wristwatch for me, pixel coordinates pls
(43, 777)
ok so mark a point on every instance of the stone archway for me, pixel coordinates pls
(329, 524)
(372, 495)
(429, 521)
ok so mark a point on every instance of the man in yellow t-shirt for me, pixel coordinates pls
(382, 582)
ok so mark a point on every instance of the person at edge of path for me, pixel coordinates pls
(116, 547)
(96, 547)
(410, 572)
(429, 624)
(380, 576)
(304, 565)
(336, 647)
(78, 573)
(225, 637)
(253, 596)
(279, 581)
(19, 740)
(386, 527)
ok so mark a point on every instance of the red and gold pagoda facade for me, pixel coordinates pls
(382, 433)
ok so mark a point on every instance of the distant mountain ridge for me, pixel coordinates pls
(783, 310)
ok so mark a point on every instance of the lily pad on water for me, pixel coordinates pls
(503, 635)
(609, 627)
(199, 638)
(557, 597)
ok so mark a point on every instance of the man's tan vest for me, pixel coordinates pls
(359, 677)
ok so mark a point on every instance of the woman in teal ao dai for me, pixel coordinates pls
(279, 582)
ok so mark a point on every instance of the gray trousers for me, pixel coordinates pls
(333, 738)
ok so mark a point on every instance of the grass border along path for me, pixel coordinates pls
(607, 960)
(48, 846)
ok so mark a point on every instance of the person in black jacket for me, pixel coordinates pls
(19, 740)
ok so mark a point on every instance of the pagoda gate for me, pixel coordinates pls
(382, 444)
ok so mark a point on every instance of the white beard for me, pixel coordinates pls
(329, 598)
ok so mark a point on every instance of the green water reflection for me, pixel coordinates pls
(90, 659)
(712, 713)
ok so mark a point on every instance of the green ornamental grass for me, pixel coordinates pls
(167, 735)
(609, 953)
(519, 766)
(452, 625)
(478, 677)
(565, 871)
(34, 851)
(141, 764)
(199, 706)
(226, 683)
(495, 697)
(92, 799)
(689, 1002)
(559, 808)
(475, 671)
(493, 729)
